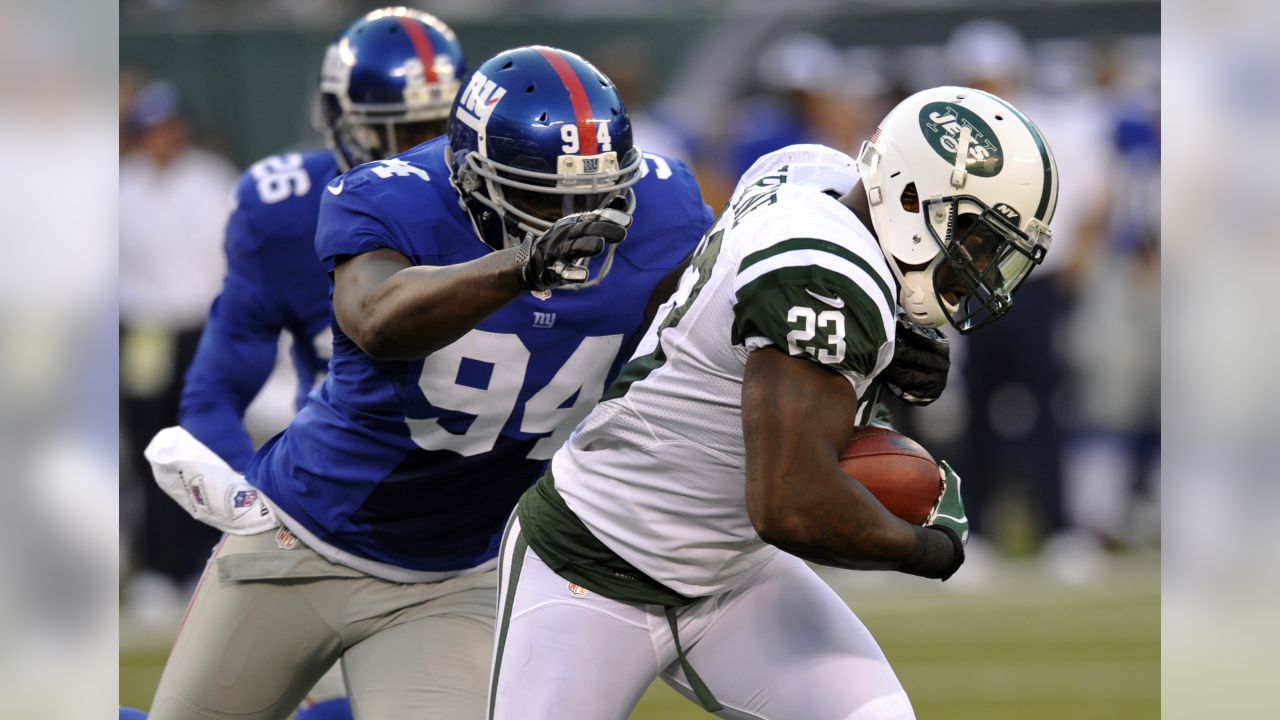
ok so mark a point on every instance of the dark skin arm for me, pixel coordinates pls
(394, 310)
(796, 418)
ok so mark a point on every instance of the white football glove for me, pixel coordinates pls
(205, 485)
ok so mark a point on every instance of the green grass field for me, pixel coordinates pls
(1020, 645)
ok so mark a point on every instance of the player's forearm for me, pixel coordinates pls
(213, 411)
(231, 365)
(839, 523)
(419, 310)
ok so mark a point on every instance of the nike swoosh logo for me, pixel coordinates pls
(833, 302)
(336, 189)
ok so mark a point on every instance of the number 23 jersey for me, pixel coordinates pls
(656, 472)
(408, 470)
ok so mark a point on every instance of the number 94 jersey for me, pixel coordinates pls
(408, 470)
(657, 471)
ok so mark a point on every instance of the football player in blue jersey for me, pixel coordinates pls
(483, 297)
(386, 85)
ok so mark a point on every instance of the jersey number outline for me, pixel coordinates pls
(281, 177)
(580, 379)
(813, 324)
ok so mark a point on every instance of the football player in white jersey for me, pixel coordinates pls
(668, 536)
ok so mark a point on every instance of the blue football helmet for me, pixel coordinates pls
(387, 84)
(536, 134)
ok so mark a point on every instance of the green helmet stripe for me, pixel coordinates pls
(1048, 191)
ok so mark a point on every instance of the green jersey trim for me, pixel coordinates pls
(819, 245)
(569, 548)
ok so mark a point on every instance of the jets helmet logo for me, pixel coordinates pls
(942, 123)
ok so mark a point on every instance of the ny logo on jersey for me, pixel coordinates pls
(478, 101)
(543, 319)
(399, 168)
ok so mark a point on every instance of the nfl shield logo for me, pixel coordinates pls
(245, 498)
(286, 540)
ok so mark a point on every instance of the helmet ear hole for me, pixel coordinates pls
(910, 199)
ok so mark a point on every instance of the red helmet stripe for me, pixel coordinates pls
(578, 96)
(421, 45)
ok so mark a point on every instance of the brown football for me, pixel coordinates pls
(896, 469)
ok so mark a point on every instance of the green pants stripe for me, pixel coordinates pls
(508, 600)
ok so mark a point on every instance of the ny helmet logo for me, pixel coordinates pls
(479, 99)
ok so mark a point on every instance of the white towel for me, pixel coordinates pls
(205, 485)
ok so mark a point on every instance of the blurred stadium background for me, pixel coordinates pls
(1052, 416)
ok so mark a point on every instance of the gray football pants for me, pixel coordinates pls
(267, 622)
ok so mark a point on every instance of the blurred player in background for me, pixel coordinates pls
(800, 73)
(173, 207)
(1017, 375)
(386, 85)
(482, 303)
(654, 545)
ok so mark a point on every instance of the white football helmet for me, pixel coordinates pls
(961, 188)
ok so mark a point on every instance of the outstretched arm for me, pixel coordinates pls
(394, 310)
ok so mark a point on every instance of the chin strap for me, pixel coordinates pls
(959, 174)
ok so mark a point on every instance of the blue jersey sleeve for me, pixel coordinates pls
(353, 214)
(237, 350)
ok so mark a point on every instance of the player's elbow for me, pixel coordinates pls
(783, 530)
(778, 522)
(373, 341)
(382, 345)
(371, 330)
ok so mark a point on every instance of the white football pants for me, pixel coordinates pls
(783, 646)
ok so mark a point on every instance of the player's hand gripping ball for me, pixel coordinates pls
(896, 469)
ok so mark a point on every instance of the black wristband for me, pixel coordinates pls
(937, 555)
